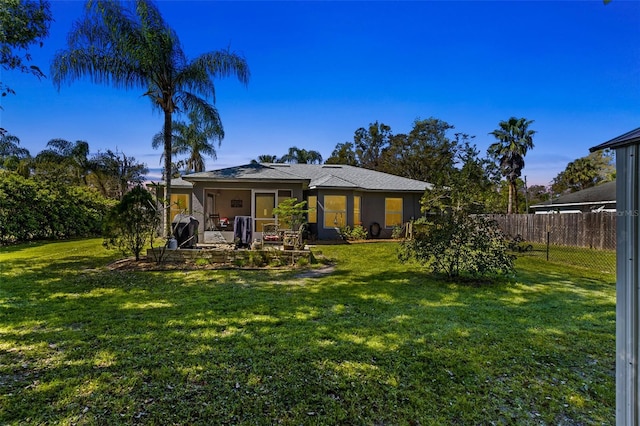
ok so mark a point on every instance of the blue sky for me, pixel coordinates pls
(320, 70)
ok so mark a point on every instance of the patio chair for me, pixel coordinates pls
(271, 234)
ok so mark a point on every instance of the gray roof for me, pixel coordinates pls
(315, 175)
(177, 183)
(603, 193)
(629, 138)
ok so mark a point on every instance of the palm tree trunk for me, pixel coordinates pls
(510, 202)
(167, 173)
(515, 197)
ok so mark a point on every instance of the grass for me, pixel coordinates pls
(375, 342)
(600, 261)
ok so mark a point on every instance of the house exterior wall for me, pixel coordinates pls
(192, 207)
(372, 204)
(372, 211)
(627, 282)
(234, 190)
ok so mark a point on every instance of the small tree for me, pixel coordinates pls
(291, 213)
(457, 244)
(132, 223)
(452, 240)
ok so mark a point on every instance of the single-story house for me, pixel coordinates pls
(597, 199)
(336, 195)
(627, 148)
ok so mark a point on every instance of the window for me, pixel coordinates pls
(357, 217)
(283, 194)
(312, 216)
(335, 211)
(179, 204)
(392, 212)
(264, 204)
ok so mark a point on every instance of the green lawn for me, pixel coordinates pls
(374, 343)
(600, 261)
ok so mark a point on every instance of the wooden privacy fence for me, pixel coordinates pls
(591, 230)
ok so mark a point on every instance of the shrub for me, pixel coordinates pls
(398, 232)
(458, 244)
(132, 223)
(358, 232)
(35, 210)
(257, 258)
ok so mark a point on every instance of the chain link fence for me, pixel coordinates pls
(580, 239)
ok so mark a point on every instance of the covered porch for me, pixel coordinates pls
(221, 207)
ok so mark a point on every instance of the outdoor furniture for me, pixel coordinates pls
(217, 223)
(271, 234)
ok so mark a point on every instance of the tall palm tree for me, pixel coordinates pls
(301, 156)
(136, 49)
(194, 139)
(514, 139)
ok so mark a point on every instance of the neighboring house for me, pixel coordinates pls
(627, 147)
(337, 196)
(597, 199)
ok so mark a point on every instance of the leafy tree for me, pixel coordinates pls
(474, 179)
(586, 172)
(132, 223)
(113, 174)
(135, 48)
(425, 154)
(64, 162)
(537, 194)
(369, 144)
(452, 238)
(470, 185)
(193, 139)
(343, 154)
(33, 209)
(301, 156)
(514, 139)
(22, 23)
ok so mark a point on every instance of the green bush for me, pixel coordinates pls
(33, 209)
(358, 232)
(457, 244)
(132, 223)
(257, 258)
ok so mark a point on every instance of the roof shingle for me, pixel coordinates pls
(317, 176)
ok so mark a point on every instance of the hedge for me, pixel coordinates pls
(38, 210)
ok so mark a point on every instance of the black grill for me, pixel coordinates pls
(185, 230)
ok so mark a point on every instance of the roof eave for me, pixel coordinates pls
(245, 180)
(629, 138)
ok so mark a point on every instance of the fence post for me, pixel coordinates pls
(548, 234)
